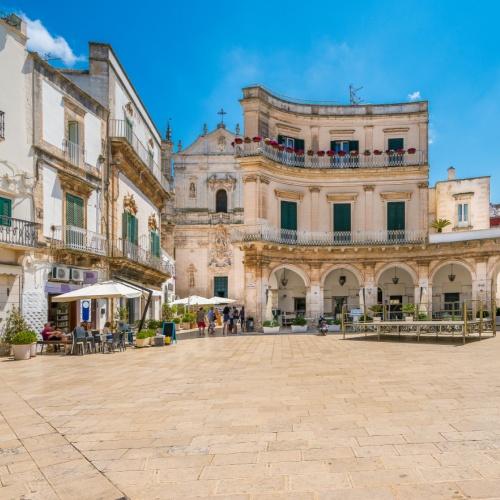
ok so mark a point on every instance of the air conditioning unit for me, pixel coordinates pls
(76, 275)
(60, 273)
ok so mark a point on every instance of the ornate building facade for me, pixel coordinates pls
(338, 210)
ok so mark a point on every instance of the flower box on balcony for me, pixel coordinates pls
(289, 150)
(412, 151)
(320, 153)
(310, 152)
(354, 153)
(341, 153)
(299, 152)
(238, 140)
(247, 140)
(257, 139)
(267, 141)
(400, 151)
(281, 147)
(367, 152)
(377, 152)
(330, 152)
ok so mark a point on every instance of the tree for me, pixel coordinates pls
(440, 224)
(15, 323)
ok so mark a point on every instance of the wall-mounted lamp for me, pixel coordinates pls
(451, 276)
(342, 280)
(395, 279)
(284, 279)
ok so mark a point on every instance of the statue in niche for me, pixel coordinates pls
(191, 270)
(192, 190)
(221, 143)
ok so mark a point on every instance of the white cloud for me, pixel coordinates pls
(415, 96)
(41, 41)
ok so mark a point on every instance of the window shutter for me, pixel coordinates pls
(125, 225)
(342, 217)
(73, 130)
(353, 145)
(289, 215)
(281, 139)
(5, 212)
(79, 217)
(299, 144)
(154, 238)
(395, 215)
(135, 230)
(396, 143)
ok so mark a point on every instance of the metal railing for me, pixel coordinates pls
(265, 232)
(123, 130)
(74, 153)
(122, 248)
(342, 160)
(208, 218)
(80, 239)
(18, 232)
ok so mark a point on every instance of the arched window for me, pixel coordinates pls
(221, 201)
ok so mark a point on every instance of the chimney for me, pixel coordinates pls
(452, 175)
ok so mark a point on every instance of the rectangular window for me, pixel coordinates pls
(5, 212)
(73, 145)
(221, 286)
(463, 214)
(395, 144)
(342, 222)
(130, 228)
(291, 142)
(396, 220)
(74, 211)
(289, 220)
(154, 239)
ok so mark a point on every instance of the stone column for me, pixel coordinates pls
(423, 189)
(423, 296)
(263, 196)
(368, 137)
(313, 305)
(250, 197)
(370, 289)
(314, 190)
(481, 287)
(369, 188)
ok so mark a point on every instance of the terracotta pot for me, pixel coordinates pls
(22, 351)
(142, 342)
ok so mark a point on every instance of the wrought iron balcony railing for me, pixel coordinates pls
(122, 248)
(122, 129)
(79, 239)
(337, 160)
(18, 232)
(265, 232)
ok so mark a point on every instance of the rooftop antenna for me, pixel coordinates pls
(353, 95)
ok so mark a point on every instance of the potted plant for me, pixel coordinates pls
(257, 138)
(341, 153)
(21, 344)
(440, 224)
(186, 321)
(377, 152)
(377, 310)
(247, 140)
(238, 140)
(271, 326)
(423, 317)
(15, 323)
(333, 325)
(267, 141)
(310, 152)
(408, 311)
(364, 318)
(330, 153)
(367, 152)
(354, 153)
(142, 339)
(486, 314)
(299, 325)
(411, 151)
(320, 153)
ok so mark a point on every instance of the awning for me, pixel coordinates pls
(192, 300)
(105, 290)
(221, 300)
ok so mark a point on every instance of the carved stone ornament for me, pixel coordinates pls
(129, 108)
(221, 143)
(152, 223)
(220, 249)
(227, 182)
(129, 204)
(150, 142)
(191, 271)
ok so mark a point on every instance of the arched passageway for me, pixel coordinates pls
(396, 288)
(341, 287)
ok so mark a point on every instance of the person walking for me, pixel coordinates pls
(211, 321)
(236, 318)
(225, 320)
(242, 319)
(200, 320)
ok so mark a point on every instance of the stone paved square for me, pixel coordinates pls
(290, 416)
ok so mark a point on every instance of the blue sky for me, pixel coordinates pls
(187, 59)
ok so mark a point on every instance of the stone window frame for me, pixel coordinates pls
(74, 113)
(404, 196)
(462, 199)
(333, 198)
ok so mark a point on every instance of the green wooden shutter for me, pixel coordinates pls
(396, 215)
(154, 239)
(135, 229)
(125, 225)
(299, 144)
(5, 211)
(281, 139)
(396, 143)
(353, 145)
(289, 215)
(74, 211)
(342, 217)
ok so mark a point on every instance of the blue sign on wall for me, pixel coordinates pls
(85, 310)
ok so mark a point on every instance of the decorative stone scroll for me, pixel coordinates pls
(220, 249)
(227, 182)
(129, 204)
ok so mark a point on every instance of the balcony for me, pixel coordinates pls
(80, 240)
(194, 219)
(291, 158)
(265, 232)
(18, 232)
(120, 129)
(124, 249)
(75, 155)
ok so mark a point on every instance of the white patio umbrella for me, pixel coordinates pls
(221, 300)
(105, 290)
(192, 300)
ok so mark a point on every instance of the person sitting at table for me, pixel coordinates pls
(106, 331)
(48, 333)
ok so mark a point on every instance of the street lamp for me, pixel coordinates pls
(395, 279)
(451, 276)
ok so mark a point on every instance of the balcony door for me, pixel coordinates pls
(130, 235)
(5, 212)
(74, 142)
(221, 286)
(396, 220)
(342, 222)
(288, 220)
(75, 221)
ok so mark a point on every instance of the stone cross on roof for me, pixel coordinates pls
(221, 113)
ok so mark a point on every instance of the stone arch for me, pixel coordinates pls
(434, 269)
(402, 265)
(349, 267)
(294, 268)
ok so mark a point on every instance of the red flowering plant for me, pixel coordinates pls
(299, 152)
(412, 151)
(238, 140)
(274, 144)
(341, 153)
(354, 153)
(281, 147)
(320, 153)
(330, 153)
(400, 151)
(257, 139)
(377, 152)
(289, 150)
